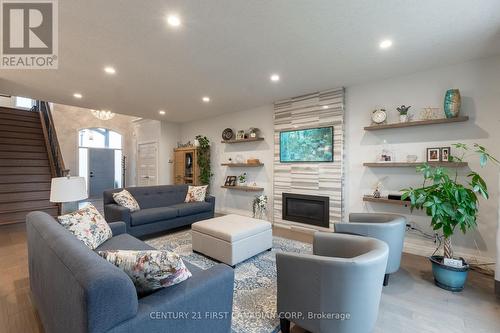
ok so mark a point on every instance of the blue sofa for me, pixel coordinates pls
(162, 208)
(75, 290)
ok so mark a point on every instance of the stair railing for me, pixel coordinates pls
(52, 144)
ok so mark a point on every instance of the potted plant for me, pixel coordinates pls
(451, 204)
(242, 179)
(403, 113)
(254, 132)
(204, 159)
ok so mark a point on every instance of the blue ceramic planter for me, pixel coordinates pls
(446, 277)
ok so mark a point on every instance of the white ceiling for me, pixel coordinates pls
(227, 49)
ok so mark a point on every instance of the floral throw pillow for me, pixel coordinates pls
(150, 269)
(88, 225)
(125, 199)
(196, 193)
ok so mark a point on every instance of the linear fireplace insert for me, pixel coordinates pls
(308, 209)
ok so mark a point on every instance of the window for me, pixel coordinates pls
(24, 103)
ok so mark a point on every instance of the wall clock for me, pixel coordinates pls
(379, 116)
(227, 134)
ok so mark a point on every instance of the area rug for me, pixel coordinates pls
(254, 302)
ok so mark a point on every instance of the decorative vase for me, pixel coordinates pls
(403, 118)
(452, 103)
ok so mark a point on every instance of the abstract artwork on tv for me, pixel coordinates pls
(307, 145)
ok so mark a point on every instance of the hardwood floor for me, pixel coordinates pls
(411, 302)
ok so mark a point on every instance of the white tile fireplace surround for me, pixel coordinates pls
(325, 179)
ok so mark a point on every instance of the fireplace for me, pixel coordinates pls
(308, 209)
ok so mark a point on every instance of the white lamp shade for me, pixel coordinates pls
(68, 189)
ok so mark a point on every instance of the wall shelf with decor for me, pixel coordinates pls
(243, 140)
(368, 198)
(417, 123)
(415, 164)
(242, 165)
(244, 188)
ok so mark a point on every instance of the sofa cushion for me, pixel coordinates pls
(196, 193)
(123, 242)
(150, 269)
(159, 196)
(191, 208)
(150, 215)
(88, 225)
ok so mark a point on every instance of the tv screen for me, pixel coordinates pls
(307, 145)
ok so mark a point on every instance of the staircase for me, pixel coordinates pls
(25, 166)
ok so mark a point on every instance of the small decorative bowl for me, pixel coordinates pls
(411, 158)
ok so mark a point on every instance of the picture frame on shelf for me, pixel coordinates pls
(240, 135)
(230, 181)
(433, 154)
(445, 154)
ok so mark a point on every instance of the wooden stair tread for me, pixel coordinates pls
(22, 135)
(11, 116)
(20, 123)
(15, 197)
(20, 155)
(28, 209)
(25, 187)
(22, 148)
(22, 170)
(19, 162)
(21, 142)
(20, 129)
(20, 112)
(15, 179)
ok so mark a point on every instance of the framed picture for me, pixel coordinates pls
(445, 154)
(240, 135)
(230, 181)
(433, 154)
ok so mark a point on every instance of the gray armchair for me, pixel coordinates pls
(342, 280)
(389, 228)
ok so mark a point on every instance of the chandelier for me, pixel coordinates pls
(103, 114)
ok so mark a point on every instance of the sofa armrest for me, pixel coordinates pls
(202, 303)
(118, 228)
(116, 213)
(210, 199)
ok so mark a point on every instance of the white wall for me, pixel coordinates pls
(479, 84)
(233, 201)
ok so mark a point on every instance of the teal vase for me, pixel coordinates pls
(452, 103)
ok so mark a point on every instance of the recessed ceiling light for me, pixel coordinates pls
(385, 44)
(162, 112)
(206, 99)
(77, 95)
(325, 106)
(109, 70)
(173, 20)
(275, 77)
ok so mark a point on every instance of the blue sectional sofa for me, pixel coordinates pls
(162, 208)
(75, 290)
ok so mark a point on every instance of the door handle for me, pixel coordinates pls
(91, 174)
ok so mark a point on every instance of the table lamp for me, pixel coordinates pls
(67, 191)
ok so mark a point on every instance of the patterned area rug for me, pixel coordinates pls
(254, 302)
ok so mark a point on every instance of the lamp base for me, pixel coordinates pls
(69, 207)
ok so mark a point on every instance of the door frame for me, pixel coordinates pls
(137, 159)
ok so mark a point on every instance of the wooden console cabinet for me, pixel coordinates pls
(186, 170)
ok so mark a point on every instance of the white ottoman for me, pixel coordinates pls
(232, 238)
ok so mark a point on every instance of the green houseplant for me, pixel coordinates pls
(204, 159)
(452, 205)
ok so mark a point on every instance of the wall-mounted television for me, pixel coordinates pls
(307, 145)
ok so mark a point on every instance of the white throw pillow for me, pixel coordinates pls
(88, 225)
(196, 193)
(125, 199)
(150, 269)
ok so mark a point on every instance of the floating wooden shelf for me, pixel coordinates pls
(415, 164)
(244, 188)
(242, 140)
(386, 200)
(243, 165)
(417, 123)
